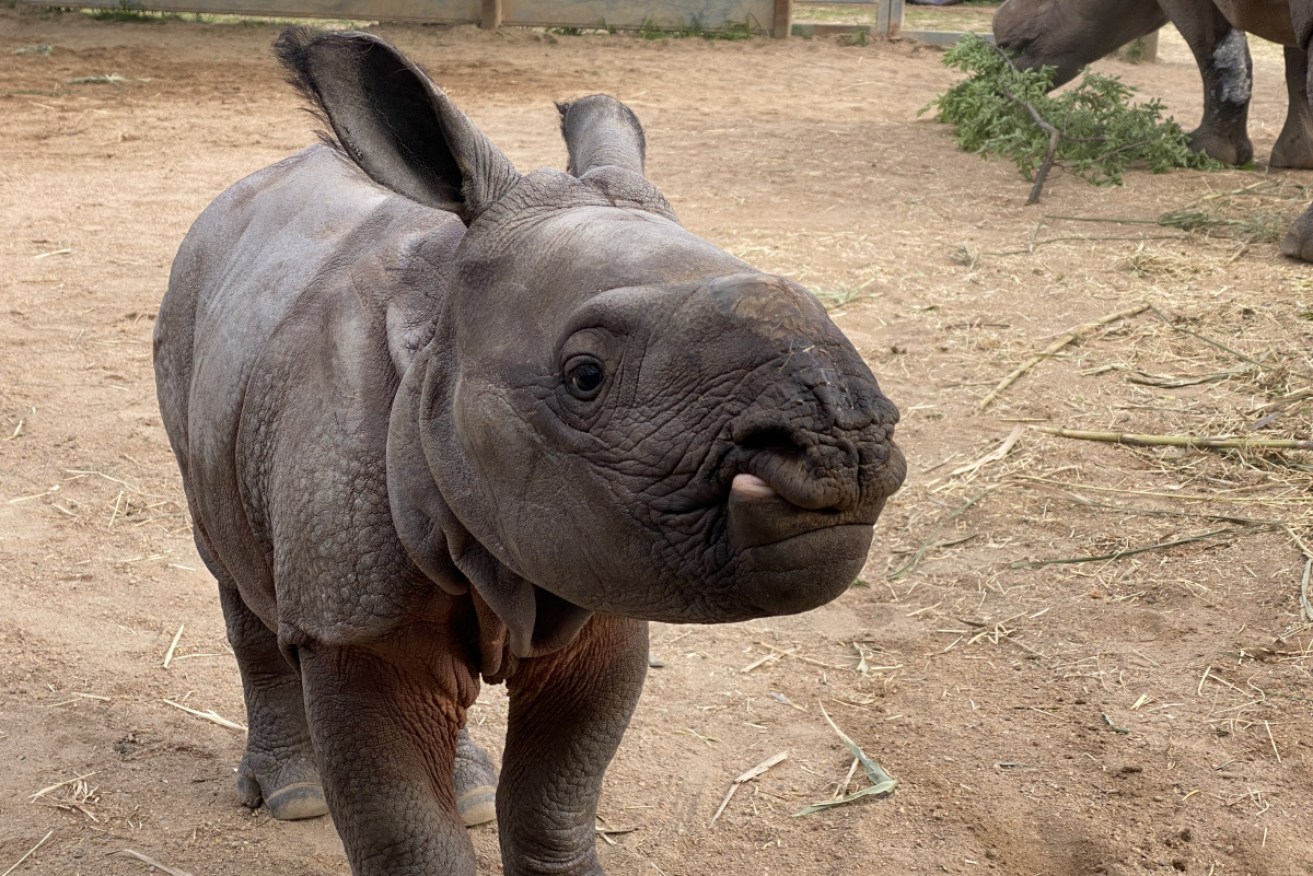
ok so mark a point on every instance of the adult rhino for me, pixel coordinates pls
(439, 421)
(1068, 34)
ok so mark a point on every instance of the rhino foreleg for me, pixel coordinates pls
(568, 711)
(385, 719)
(1222, 53)
(278, 767)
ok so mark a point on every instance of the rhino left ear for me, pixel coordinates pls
(394, 123)
(600, 131)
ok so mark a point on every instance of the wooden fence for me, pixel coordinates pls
(773, 17)
(757, 16)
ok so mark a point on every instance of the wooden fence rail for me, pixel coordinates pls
(757, 16)
(773, 17)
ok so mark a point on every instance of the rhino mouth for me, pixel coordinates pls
(793, 558)
(759, 515)
(767, 499)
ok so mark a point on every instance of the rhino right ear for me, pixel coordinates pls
(600, 131)
(394, 123)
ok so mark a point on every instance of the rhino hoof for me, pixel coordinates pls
(1233, 150)
(477, 805)
(1296, 155)
(1298, 243)
(476, 782)
(296, 801)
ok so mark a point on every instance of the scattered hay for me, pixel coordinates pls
(101, 79)
(151, 862)
(1077, 334)
(173, 646)
(882, 784)
(1196, 412)
(209, 715)
(29, 853)
(1258, 213)
(75, 795)
(1192, 441)
(747, 776)
(1148, 261)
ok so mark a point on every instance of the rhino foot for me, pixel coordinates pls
(297, 801)
(476, 783)
(1228, 149)
(289, 789)
(1298, 243)
(1292, 152)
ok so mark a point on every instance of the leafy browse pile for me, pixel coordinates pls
(1091, 129)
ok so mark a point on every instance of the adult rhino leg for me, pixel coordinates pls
(1298, 243)
(568, 711)
(278, 767)
(1294, 147)
(1222, 53)
(385, 718)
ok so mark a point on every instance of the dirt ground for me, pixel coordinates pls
(1144, 713)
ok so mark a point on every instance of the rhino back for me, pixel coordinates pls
(294, 305)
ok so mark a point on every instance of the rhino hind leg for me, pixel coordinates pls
(1298, 243)
(1222, 53)
(278, 768)
(1294, 146)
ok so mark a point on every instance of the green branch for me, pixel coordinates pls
(1091, 130)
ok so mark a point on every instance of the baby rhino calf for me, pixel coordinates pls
(439, 422)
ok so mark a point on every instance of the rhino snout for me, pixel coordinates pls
(802, 507)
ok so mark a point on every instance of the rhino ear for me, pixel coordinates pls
(600, 131)
(394, 123)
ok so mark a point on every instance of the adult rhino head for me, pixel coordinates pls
(1069, 34)
(439, 420)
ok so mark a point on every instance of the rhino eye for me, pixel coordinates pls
(585, 378)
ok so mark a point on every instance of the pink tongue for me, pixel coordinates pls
(751, 487)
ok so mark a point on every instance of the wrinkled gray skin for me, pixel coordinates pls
(439, 421)
(1068, 34)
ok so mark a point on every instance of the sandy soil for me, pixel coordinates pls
(1144, 714)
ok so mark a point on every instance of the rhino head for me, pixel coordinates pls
(608, 412)
(1069, 34)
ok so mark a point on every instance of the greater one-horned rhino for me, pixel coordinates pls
(438, 421)
(1068, 34)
